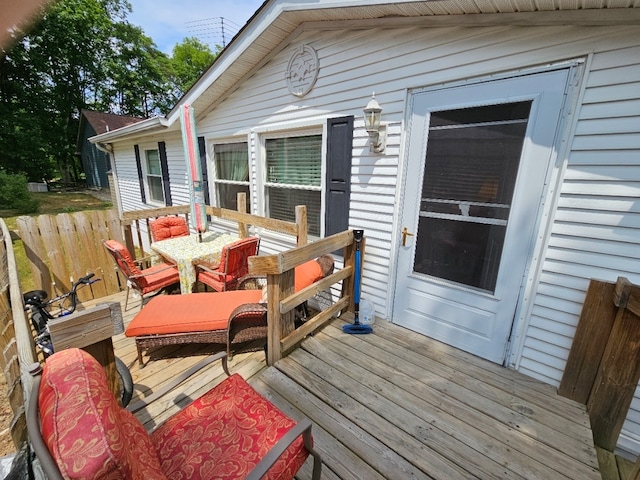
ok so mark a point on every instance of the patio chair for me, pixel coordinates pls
(233, 265)
(233, 320)
(78, 430)
(155, 279)
(168, 227)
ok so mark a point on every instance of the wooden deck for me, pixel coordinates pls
(396, 405)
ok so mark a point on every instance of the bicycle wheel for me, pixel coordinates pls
(126, 382)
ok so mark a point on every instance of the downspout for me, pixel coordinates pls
(108, 149)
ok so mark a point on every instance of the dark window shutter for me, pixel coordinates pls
(164, 166)
(143, 195)
(203, 166)
(339, 153)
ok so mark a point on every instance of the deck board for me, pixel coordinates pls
(394, 404)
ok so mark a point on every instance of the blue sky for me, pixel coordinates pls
(168, 22)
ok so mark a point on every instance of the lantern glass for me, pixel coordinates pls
(372, 115)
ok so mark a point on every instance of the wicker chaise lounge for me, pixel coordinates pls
(235, 320)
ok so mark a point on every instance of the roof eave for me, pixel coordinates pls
(145, 126)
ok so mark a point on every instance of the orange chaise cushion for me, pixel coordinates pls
(196, 312)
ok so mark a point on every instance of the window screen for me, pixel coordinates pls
(231, 174)
(154, 176)
(293, 177)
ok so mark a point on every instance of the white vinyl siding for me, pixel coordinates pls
(594, 233)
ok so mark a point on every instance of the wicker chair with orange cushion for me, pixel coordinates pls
(233, 265)
(149, 280)
(78, 431)
(168, 227)
(234, 320)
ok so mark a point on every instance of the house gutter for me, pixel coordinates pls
(108, 149)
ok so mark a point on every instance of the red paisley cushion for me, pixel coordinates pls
(224, 434)
(89, 435)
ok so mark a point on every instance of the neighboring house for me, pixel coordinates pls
(510, 175)
(95, 162)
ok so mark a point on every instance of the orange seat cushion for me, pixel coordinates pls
(307, 274)
(196, 312)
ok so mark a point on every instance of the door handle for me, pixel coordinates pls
(405, 234)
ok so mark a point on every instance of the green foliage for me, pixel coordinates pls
(189, 61)
(15, 195)
(82, 54)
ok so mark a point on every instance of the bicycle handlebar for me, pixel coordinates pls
(86, 280)
(39, 302)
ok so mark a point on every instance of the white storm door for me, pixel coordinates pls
(477, 159)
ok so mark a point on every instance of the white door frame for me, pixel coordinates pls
(543, 222)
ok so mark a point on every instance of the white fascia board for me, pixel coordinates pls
(136, 128)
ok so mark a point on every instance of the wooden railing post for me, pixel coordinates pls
(16, 341)
(303, 226)
(242, 207)
(619, 370)
(92, 330)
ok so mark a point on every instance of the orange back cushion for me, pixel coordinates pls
(168, 227)
(124, 260)
(306, 274)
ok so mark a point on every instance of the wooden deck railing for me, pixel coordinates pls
(281, 299)
(18, 352)
(64, 247)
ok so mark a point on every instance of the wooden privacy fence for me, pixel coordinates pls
(67, 246)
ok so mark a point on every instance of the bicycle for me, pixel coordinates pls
(66, 303)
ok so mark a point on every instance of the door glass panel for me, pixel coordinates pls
(470, 173)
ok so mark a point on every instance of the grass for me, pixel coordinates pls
(51, 203)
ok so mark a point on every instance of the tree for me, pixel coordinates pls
(83, 54)
(80, 54)
(189, 60)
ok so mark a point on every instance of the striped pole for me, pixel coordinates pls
(196, 190)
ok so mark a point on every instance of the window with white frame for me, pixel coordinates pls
(154, 175)
(294, 177)
(231, 161)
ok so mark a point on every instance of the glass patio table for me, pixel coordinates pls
(186, 251)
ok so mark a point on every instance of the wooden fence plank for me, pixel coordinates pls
(55, 253)
(111, 230)
(89, 253)
(72, 247)
(99, 254)
(30, 235)
(589, 342)
(113, 222)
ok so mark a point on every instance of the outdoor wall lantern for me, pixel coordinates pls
(377, 133)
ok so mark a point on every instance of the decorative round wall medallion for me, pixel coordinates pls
(302, 70)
